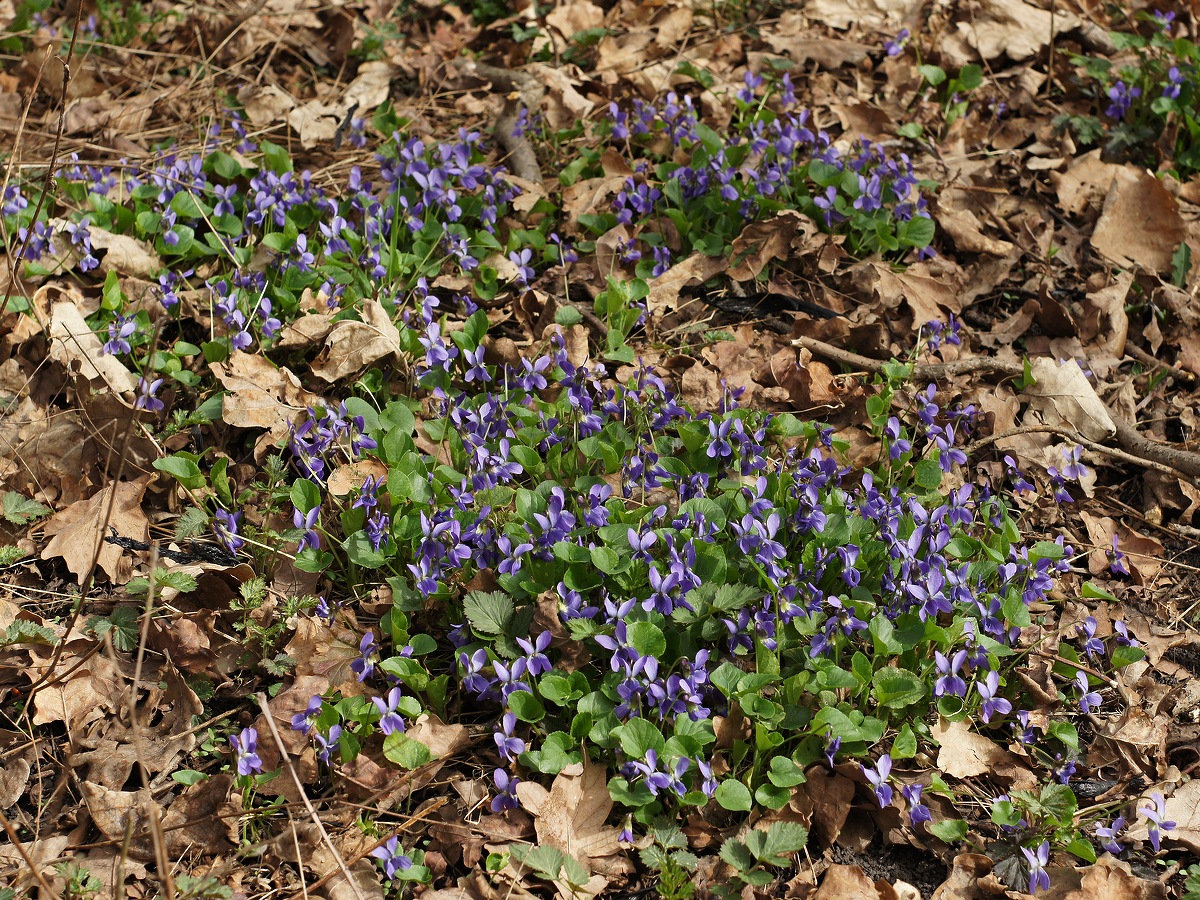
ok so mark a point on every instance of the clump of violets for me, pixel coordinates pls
(1153, 88)
(764, 164)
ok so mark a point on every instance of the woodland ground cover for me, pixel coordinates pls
(544, 593)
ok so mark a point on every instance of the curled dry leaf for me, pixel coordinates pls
(696, 269)
(762, 242)
(1063, 396)
(850, 883)
(1013, 28)
(352, 346)
(572, 814)
(261, 395)
(124, 254)
(1141, 223)
(76, 346)
(1113, 879)
(830, 796)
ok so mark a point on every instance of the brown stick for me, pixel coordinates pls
(1174, 371)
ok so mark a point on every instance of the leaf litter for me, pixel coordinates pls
(1066, 257)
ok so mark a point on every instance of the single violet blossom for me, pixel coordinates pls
(1156, 819)
(1039, 878)
(245, 748)
(878, 776)
(393, 858)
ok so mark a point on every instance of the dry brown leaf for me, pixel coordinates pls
(1063, 396)
(14, 778)
(831, 795)
(847, 883)
(965, 874)
(352, 346)
(867, 14)
(802, 47)
(964, 754)
(265, 105)
(1140, 222)
(1104, 318)
(956, 218)
(1113, 879)
(110, 811)
(261, 395)
(761, 242)
(672, 27)
(43, 853)
(305, 331)
(77, 532)
(125, 255)
(1084, 184)
(575, 16)
(696, 269)
(203, 817)
(563, 105)
(1010, 27)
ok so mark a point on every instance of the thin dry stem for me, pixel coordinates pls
(287, 762)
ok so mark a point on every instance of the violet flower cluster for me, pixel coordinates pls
(762, 165)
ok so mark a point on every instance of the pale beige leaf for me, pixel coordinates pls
(125, 255)
(352, 346)
(1064, 397)
(74, 345)
(1141, 222)
(965, 754)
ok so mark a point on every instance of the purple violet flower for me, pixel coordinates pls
(245, 748)
(1039, 878)
(878, 776)
(1108, 835)
(1156, 819)
(304, 721)
(393, 858)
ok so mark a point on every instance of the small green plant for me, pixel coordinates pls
(1191, 882)
(10, 553)
(190, 887)
(1149, 104)
(754, 856)
(551, 864)
(20, 510)
(954, 94)
(670, 858)
(121, 623)
(81, 883)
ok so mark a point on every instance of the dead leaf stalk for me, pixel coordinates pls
(15, 267)
(287, 762)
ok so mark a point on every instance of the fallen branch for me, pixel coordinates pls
(1175, 372)
(1136, 448)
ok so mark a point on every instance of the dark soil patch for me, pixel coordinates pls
(895, 862)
